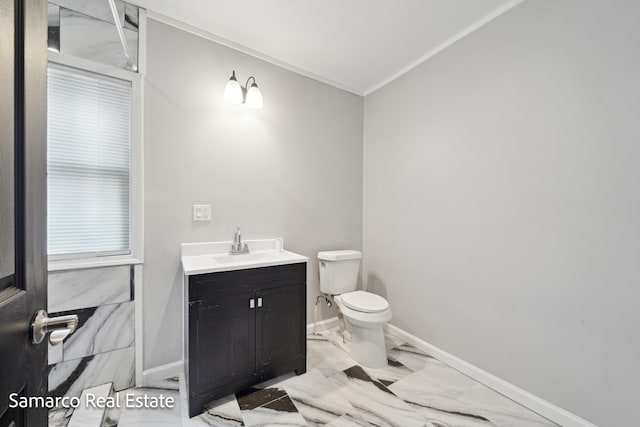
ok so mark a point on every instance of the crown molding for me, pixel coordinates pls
(246, 50)
(442, 46)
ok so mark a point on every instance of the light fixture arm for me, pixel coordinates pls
(246, 86)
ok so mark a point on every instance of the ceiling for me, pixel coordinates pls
(357, 45)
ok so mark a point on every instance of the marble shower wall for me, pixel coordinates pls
(102, 347)
(85, 29)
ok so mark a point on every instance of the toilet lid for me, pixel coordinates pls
(364, 301)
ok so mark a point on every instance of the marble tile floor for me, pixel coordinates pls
(415, 389)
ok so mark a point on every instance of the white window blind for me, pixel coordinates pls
(88, 164)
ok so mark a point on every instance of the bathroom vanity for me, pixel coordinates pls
(244, 317)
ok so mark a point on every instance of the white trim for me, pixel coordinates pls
(138, 322)
(137, 171)
(442, 46)
(142, 42)
(91, 66)
(107, 261)
(531, 401)
(247, 50)
(256, 54)
(139, 196)
(162, 372)
(323, 325)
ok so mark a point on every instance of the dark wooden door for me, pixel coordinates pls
(23, 261)
(281, 326)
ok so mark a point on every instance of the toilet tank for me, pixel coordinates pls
(339, 271)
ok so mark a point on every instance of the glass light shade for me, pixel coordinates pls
(233, 91)
(254, 97)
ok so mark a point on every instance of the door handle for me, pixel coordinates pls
(259, 302)
(58, 328)
(252, 303)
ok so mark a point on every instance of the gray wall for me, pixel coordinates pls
(291, 170)
(502, 202)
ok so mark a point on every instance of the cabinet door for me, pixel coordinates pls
(222, 340)
(280, 325)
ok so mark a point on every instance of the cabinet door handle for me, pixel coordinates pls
(259, 302)
(252, 303)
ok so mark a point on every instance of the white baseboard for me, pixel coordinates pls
(535, 403)
(323, 325)
(173, 369)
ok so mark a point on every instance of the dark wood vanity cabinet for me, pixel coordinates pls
(243, 327)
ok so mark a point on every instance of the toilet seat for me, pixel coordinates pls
(362, 318)
(364, 302)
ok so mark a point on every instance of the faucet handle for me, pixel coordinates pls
(245, 248)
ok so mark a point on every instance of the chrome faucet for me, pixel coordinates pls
(236, 246)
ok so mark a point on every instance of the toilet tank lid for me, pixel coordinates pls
(339, 255)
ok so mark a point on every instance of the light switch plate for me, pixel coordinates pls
(202, 212)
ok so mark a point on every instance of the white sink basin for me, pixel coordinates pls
(211, 257)
(241, 258)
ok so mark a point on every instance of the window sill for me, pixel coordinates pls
(77, 264)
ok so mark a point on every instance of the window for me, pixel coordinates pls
(89, 177)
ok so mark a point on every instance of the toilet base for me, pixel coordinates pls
(366, 345)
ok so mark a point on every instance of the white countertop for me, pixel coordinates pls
(211, 257)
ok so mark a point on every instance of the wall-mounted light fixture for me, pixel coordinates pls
(236, 94)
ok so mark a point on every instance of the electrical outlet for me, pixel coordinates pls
(202, 212)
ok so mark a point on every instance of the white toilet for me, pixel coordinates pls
(364, 312)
